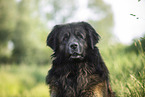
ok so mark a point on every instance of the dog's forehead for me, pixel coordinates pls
(72, 28)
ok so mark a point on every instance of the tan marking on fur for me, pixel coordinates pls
(100, 90)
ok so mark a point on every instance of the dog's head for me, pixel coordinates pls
(73, 39)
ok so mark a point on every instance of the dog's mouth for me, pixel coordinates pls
(76, 56)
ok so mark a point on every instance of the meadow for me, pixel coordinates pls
(127, 75)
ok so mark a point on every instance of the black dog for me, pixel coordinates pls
(78, 69)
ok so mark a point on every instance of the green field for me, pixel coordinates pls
(23, 81)
(127, 75)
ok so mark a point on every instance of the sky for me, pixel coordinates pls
(126, 26)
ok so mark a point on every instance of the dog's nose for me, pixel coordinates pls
(73, 45)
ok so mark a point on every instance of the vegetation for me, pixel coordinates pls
(22, 34)
(127, 75)
(23, 81)
(127, 71)
(24, 55)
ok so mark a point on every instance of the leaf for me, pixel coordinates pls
(132, 14)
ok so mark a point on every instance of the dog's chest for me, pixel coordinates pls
(77, 79)
(76, 82)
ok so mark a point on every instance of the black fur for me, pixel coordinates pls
(76, 78)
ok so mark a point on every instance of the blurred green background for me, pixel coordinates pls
(25, 59)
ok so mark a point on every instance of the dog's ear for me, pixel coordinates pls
(52, 37)
(93, 36)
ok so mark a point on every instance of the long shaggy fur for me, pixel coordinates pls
(87, 78)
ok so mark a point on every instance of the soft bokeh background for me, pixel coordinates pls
(25, 59)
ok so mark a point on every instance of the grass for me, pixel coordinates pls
(127, 75)
(127, 71)
(23, 81)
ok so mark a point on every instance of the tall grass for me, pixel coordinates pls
(127, 71)
(127, 75)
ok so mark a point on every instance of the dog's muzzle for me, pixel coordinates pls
(74, 50)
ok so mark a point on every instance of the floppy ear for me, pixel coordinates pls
(93, 36)
(51, 39)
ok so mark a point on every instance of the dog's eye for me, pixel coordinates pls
(80, 35)
(65, 38)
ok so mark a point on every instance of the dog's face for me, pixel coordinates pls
(72, 40)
